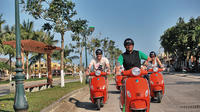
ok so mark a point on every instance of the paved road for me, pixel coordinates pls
(5, 88)
(182, 95)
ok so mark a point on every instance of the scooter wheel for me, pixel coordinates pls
(98, 104)
(159, 97)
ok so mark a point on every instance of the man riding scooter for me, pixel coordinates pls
(99, 60)
(98, 81)
(131, 61)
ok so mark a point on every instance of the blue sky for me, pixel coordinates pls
(142, 20)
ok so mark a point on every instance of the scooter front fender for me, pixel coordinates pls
(98, 94)
(138, 105)
(157, 88)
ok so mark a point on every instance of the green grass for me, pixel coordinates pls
(43, 78)
(39, 100)
(4, 82)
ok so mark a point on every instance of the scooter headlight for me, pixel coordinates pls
(155, 69)
(146, 93)
(128, 94)
(162, 81)
(136, 71)
(98, 73)
(91, 87)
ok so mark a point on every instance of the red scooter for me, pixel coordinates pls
(134, 95)
(156, 84)
(98, 88)
(118, 80)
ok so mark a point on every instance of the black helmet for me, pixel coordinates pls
(128, 41)
(152, 53)
(99, 51)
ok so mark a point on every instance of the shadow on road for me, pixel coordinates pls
(114, 92)
(86, 105)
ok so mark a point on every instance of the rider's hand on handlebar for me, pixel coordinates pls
(87, 73)
(108, 72)
(163, 69)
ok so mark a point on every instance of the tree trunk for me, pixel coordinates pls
(81, 68)
(27, 73)
(10, 73)
(49, 79)
(22, 54)
(39, 67)
(62, 56)
(94, 52)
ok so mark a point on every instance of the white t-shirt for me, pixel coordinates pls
(95, 63)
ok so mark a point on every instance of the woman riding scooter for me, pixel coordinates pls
(154, 60)
(156, 80)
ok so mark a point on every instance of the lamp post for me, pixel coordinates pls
(20, 103)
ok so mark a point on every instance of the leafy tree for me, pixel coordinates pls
(8, 35)
(67, 57)
(1, 22)
(81, 33)
(59, 13)
(182, 40)
(93, 44)
(105, 43)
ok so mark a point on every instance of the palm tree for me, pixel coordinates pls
(67, 57)
(93, 44)
(111, 52)
(27, 33)
(8, 35)
(105, 45)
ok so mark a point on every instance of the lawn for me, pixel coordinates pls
(39, 100)
(43, 78)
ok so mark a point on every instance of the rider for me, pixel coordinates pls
(99, 61)
(155, 61)
(131, 58)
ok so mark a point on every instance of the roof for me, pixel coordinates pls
(33, 46)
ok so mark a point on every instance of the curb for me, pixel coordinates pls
(56, 105)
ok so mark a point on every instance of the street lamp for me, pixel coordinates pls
(20, 103)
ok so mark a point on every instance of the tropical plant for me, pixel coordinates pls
(8, 35)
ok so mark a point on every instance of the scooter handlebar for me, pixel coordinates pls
(129, 72)
(102, 74)
(159, 70)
